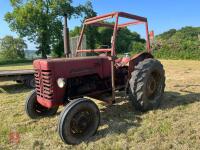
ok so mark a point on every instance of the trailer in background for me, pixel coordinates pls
(25, 77)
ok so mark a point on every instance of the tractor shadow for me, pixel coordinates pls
(13, 88)
(174, 99)
(122, 116)
(186, 96)
(117, 118)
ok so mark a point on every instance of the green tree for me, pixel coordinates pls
(75, 32)
(179, 44)
(105, 35)
(125, 39)
(101, 36)
(137, 47)
(41, 21)
(57, 40)
(12, 48)
(168, 34)
(91, 31)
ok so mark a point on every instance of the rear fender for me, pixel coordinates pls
(135, 61)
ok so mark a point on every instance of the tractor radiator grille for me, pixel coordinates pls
(43, 82)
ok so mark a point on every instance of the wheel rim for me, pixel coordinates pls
(154, 86)
(81, 123)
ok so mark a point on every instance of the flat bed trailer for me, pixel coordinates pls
(20, 76)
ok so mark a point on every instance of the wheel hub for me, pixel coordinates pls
(81, 122)
(151, 86)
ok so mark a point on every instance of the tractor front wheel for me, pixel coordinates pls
(78, 121)
(35, 110)
(147, 84)
(30, 83)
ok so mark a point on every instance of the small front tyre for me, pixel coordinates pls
(35, 110)
(78, 121)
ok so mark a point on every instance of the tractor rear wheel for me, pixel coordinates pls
(35, 110)
(78, 121)
(147, 84)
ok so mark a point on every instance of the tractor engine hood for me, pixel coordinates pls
(73, 67)
(48, 71)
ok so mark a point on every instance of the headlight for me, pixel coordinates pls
(61, 82)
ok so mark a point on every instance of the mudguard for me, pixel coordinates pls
(136, 59)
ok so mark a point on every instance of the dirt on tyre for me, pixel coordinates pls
(35, 110)
(78, 121)
(147, 84)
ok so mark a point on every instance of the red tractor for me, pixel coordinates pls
(66, 81)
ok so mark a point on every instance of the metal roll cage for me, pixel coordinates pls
(98, 21)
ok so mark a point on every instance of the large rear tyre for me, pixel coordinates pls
(78, 121)
(35, 110)
(147, 84)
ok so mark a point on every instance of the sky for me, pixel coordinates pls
(162, 14)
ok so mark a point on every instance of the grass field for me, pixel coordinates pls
(175, 125)
(16, 67)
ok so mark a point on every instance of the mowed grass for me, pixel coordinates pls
(175, 125)
(16, 66)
